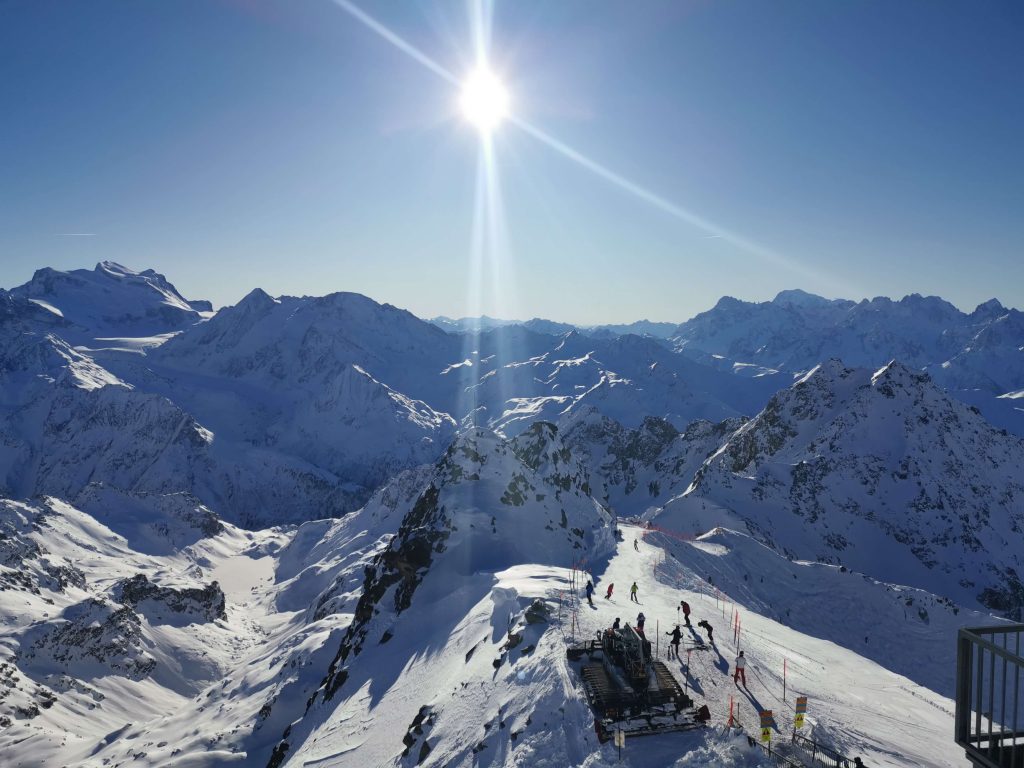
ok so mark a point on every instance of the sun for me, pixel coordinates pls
(484, 100)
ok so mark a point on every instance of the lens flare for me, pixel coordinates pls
(484, 100)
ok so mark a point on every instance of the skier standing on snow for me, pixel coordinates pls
(673, 647)
(590, 593)
(741, 665)
(707, 627)
(686, 611)
(608, 594)
(632, 593)
(640, 619)
(635, 545)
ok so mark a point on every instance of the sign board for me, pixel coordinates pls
(767, 720)
(620, 738)
(801, 710)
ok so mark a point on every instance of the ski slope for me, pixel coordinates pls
(854, 704)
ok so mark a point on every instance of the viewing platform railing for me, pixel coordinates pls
(989, 718)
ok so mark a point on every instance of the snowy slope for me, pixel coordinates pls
(414, 622)
(102, 629)
(68, 422)
(879, 471)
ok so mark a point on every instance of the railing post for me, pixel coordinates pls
(962, 718)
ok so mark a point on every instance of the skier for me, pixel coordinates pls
(635, 545)
(632, 593)
(590, 593)
(615, 624)
(686, 611)
(640, 619)
(857, 763)
(707, 627)
(673, 647)
(741, 665)
(608, 594)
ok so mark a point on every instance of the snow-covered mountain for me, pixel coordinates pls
(978, 357)
(555, 328)
(635, 470)
(880, 471)
(797, 330)
(111, 301)
(416, 500)
(427, 628)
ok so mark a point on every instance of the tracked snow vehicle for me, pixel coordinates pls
(631, 691)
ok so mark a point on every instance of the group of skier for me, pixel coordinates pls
(676, 634)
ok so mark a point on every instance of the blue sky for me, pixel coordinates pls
(873, 147)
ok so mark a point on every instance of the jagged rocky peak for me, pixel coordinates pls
(896, 377)
(988, 310)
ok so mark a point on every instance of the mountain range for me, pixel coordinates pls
(320, 530)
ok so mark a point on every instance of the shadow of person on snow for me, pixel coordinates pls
(751, 698)
(720, 662)
(692, 682)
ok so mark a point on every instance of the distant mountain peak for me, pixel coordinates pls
(798, 298)
(988, 309)
(257, 300)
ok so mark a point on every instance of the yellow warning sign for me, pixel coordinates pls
(798, 722)
(766, 734)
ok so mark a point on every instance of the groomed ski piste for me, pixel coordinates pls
(855, 705)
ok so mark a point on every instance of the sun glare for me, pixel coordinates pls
(484, 100)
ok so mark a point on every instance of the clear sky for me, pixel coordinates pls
(854, 149)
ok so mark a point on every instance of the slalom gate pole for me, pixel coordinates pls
(730, 710)
(657, 639)
(784, 665)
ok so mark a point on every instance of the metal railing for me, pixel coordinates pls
(780, 760)
(989, 719)
(820, 754)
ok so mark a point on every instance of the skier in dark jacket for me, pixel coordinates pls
(616, 624)
(673, 646)
(711, 632)
(640, 619)
(590, 593)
